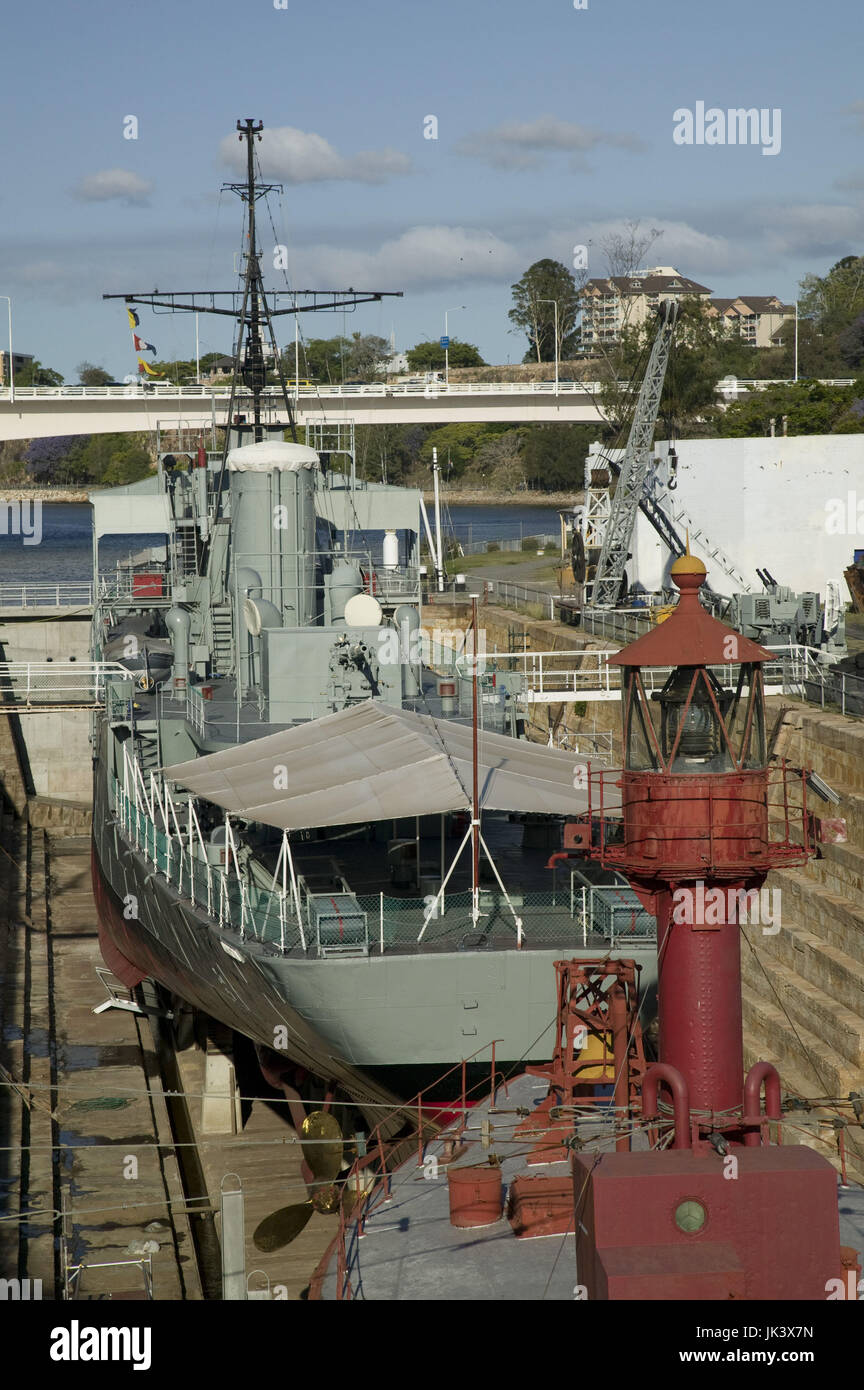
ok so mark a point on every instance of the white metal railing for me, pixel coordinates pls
(796, 670)
(219, 391)
(511, 543)
(59, 682)
(195, 709)
(70, 594)
(377, 388)
(151, 821)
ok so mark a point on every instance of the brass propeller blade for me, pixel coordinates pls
(324, 1159)
(283, 1226)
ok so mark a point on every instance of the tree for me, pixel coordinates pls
(625, 252)
(497, 464)
(365, 356)
(429, 356)
(50, 460)
(850, 343)
(457, 446)
(34, 374)
(321, 359)
(387, 453)
(809, 407)
(111, 459)
(89, 375)
(553, 456)
(701, 354)
(834, 300)
(534, 315)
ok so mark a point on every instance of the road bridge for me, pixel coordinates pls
(41, 411)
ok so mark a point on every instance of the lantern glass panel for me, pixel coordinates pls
(639, 754)
(745, 720)
(686, 704)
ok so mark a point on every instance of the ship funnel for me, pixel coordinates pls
(272, 486)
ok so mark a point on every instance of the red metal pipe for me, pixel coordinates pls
(759, 1073)
(662, 1071)
(618, 1020)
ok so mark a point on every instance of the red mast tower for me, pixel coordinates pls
(725, 1211)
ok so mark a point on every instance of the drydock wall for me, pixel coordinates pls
(803, 994)
(54, 749)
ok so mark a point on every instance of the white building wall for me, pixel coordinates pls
(771, 503)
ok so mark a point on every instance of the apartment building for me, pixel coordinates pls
(626, 301)
(20, 360)
(757, 318)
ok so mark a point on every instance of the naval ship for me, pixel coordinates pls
(306, 827)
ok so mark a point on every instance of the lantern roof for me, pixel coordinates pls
(690, 636)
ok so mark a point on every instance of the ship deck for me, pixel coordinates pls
(410, 1251)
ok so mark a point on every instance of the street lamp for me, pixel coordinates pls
(796, 339)
(11, 358)
(554, 302)
(447, 341)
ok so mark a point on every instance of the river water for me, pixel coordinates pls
(64, 551)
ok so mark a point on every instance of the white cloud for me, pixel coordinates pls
(299, 156)
(113, 183)
(812, 230)
(525, 144)
(418, 257)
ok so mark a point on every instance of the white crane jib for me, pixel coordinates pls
(635, 467)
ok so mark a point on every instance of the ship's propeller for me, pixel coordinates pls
(323, 1153)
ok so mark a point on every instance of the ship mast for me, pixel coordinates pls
(254, 298)
(251, 309)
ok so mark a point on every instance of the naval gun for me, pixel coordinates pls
(779, 614)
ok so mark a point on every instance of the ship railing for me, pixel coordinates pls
(368, 1182)
(604, 915)
(207, 873)
(72, 594)
(43, 684)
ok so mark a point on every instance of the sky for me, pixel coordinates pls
(555, 126)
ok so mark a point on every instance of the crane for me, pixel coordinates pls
(635, 467)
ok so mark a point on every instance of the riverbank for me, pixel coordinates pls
(453, 498)
(534, 500)
(43, 494)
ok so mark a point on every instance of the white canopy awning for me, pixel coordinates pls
(374, 762)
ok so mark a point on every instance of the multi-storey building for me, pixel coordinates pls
(626, 301)
(20, 360)
(757, 318)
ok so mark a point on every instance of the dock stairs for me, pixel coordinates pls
(803, 986)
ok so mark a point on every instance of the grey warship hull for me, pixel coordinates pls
(369, 1023)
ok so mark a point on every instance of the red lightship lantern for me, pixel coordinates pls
(723, 1212)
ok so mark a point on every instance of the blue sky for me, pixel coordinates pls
(554, 127)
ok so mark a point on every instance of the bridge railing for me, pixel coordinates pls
(377, 388)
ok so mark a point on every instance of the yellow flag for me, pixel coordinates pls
(147, 368)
